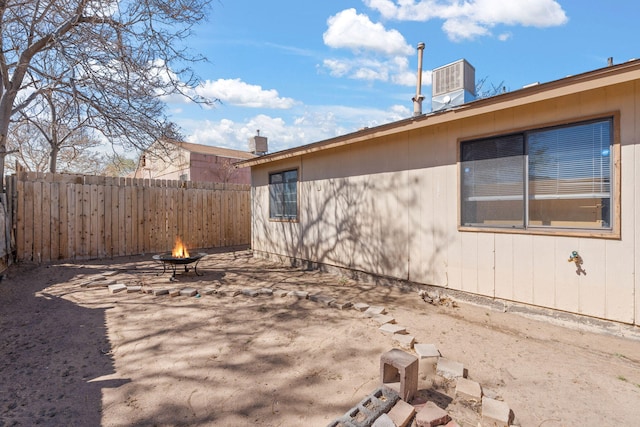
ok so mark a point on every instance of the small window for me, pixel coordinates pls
(283, 195)
(558, 177)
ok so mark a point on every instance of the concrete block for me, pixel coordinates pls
(341, 305)
(157, 292)
(174, 292)
(495, 413)
(135, 288)
(360, 306)
(391, 328)
(298, 294)
(265, 291)
(383, 421)
(368, 410)
(402, 413)
(98, 284)
(210, 291)
(432, 415)
(399, 372)
(381, 319)
(250, 292)
(322, 299)
(118, 287)
(450, 369)
(280, 293)
(375, 310)
(405, 341)
(468, 390)
(426, 350)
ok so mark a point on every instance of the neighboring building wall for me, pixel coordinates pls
(210, 168)
(390, 206)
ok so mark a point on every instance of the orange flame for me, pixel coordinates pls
(180, 250)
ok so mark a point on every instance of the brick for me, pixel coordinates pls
(157, 292)
(432, 415)
(452, 424)
(428, 355)
(360, 306)
(468, 390)
(174, 292)
(135, 288)
(280, 293)
(383, 421)
(118, 287)
(99, 284)
(210, 291)
(236, 293)
(265, 291)
(391, 328)
(450, 369)
(375, 310)
(250, 292)
(405, 341)
(402, 413)
(399, 372)
(495, 413)
(341, 305)
(381, 319)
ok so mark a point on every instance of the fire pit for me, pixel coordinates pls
(179, 256)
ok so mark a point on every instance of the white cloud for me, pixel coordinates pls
(349, 30)
(310, 125)
(236, 92)
(380, 54)
(473, 18)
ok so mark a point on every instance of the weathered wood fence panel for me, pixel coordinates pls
(66, 217)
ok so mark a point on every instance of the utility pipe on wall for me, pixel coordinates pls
(417, 100)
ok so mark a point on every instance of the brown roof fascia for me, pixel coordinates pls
(580, 82)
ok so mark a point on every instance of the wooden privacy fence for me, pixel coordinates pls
(68, 217)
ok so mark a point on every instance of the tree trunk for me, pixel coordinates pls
(53, 161)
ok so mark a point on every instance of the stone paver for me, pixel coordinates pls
(495, 413)
(391, 328)
(383, 421)
(381, 319)
(158, 292)
(323, 299)
(405, 341)
(426, 350)
(341, 305)
(375, 310)
(298, 294)
(360, 306)
(468, 390)
(118, 287)
(450, 369)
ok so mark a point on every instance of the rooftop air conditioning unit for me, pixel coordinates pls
(453, 84)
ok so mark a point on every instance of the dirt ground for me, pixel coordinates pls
(73, 355)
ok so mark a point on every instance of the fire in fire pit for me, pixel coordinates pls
(179, 256)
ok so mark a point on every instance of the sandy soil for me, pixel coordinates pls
(80, 356)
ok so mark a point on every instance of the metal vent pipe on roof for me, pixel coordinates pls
(417, 100)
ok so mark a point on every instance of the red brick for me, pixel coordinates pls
(431, 415)
(401, 414)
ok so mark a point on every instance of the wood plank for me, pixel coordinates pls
(140, 219)
(45, 219)
(55, 221)
(94, 219)
(122, 215)
(107, 219)
(37, 222)
(129, 247)
(63, 221)
(27, 254)
(147, 218)
(20, 218)
(78, 222)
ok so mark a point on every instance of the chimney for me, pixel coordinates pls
(417, 100)
(258, 144)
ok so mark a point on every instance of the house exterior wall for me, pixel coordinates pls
(390, 206)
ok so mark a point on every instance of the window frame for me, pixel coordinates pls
(284, 218)
(611, 232)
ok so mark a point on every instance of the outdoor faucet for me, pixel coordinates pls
(577, 259)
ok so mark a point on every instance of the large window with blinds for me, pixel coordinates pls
(558, 177)
(283, 195)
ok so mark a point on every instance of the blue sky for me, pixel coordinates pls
(304, 71)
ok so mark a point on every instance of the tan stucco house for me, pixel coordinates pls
(178, 160)
(531, 198)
